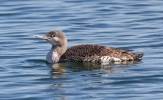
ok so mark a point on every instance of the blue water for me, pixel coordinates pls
(129, 24)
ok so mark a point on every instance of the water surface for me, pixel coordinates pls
(133, 25)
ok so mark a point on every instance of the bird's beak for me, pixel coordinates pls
(41, 37)
(51, 40)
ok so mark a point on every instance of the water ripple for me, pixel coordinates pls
(132, 25)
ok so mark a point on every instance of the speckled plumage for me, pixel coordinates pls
(95, 52)
(85, 52)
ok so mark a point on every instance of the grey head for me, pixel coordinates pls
(55, 38)
(58, 41)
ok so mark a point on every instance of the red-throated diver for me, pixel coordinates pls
(84, 52)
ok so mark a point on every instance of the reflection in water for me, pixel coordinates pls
(59, 70)
(64, 83)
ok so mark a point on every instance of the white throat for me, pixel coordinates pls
(52, 56)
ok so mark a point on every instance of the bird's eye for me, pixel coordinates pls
(53, 35)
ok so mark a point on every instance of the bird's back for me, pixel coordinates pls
(97, 53)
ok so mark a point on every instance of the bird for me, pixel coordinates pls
(94, 53)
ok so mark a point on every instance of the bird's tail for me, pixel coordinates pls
(139, 56)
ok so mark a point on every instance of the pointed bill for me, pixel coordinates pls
(41, 37)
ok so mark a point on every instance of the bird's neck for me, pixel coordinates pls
(55, 53)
